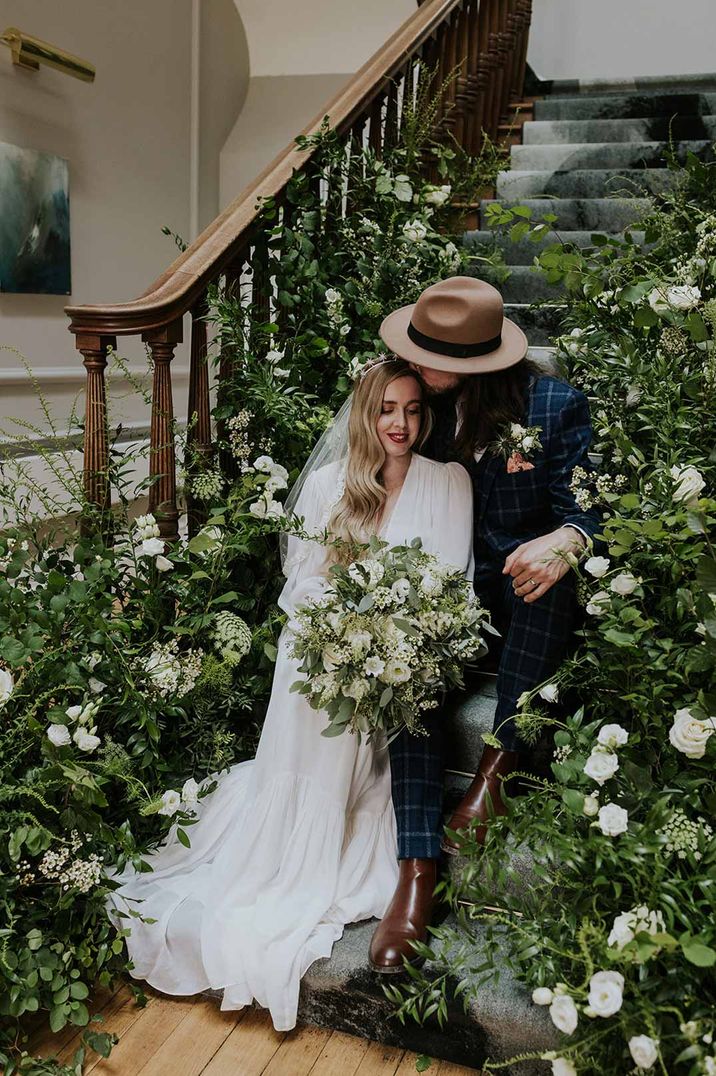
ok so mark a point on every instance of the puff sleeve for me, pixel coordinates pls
(306, 562)
(455, 541)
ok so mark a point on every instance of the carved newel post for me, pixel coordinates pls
(94, 347)
(162, 457)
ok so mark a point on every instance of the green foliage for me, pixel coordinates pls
(640, 339)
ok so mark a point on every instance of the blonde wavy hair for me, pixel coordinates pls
(364, 493)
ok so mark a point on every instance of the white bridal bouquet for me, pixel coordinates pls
(393, 630)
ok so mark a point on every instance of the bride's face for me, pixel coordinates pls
(399, 423)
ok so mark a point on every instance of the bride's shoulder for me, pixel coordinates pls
(445, 473)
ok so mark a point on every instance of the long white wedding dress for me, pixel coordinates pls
(300, 840)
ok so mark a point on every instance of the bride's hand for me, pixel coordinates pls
(537, 565)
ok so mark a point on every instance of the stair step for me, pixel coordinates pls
(701, 83)
(525, 284)
(539, 323)
(341, 992)
(580, 214)
(584, 183)
(568, 155)
(654, 129)
(625, 106)
(524, 251)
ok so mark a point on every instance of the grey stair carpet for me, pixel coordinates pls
(567, 155)
(651, 129)
(584, 183)
(523, 251)
(701, 83)
(625, 106)
(577, 214)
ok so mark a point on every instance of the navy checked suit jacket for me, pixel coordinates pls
(514, 508)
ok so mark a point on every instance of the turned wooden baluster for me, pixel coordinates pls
(93, 349)
(506, 41)
(526, 7)
(232, 288)
(355, 165)
(447, 107)
(162, 457)
(199, 447)
(375, 125)
(514, 27)
(474, 92)
(460, 91)
(390, 132)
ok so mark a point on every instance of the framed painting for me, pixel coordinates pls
(34, 222)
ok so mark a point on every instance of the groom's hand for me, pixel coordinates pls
(537, 565)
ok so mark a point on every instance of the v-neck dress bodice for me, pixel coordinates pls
(301, 840)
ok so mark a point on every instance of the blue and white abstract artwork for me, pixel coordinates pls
(34, 222)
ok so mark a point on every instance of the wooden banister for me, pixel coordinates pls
(485, 39)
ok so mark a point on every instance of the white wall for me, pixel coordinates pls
(622, 39)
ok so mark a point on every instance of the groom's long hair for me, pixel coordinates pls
(353, 517)
(490, 402)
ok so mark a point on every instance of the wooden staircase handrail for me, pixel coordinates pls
(173, 293)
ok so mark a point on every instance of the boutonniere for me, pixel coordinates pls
(516, 444)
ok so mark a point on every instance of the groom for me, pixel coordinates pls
(527, 523)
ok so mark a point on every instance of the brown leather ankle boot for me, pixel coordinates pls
(494, 765)
(407, 917)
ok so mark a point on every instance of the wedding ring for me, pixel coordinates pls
(533, 582)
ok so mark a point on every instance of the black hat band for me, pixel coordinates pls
(455, 351)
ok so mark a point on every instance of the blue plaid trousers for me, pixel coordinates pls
(534, 639)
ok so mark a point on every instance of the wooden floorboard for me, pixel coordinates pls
(193, 1037)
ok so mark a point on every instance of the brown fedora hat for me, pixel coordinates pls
(458, 325)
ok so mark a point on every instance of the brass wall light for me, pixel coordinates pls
(29, 52)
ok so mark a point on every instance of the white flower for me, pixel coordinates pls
(190, 792)
(359, 641)
(437, 195)
(374, 666)
(605, 992)
(59, 735)
(542, 995)
(395, 672)
(598, 604)
(688, 483)
(590, 807)
(644, 1050)
(274, 483)
(415, 231)
(564, 1013)
(146, 527)
(332, 297)
(171, 802)
(612, 736)
(561, 1066)
(150, 547)
(331, 657)
(601, 765)
(400, 589)
(85, 740)
(613, 820)
(549, 692)
(682, 296)
(628, 924)
(690, 735)
(6, 685)
(517, 431)
(273, 356)
(261, 508)
(73, 712)
(264, 463)
(96, 686)
(623, 584)
(357, 689)
(163, 564)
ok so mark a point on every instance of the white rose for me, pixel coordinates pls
(274, 510)
(190, 792)
(331, 658)
(151, 547)
(357, 689)
(590, 807)
(563, 1067)
(260, 507)
(264, 463)
(6, 685)
(274, 483)
(612, 736)
(163, 564)
(96, 686)
(171, 802)
(623, 584)
(605, 992)
(542, 995)
(359, 641)
(621, 933)
(601, 765)
(332, 296)
(438, 195)
(598, 604)
(564, 1013)
(690, 735)
(688, 482)
(59, 735)
(335, 620)
(613, 820)
(633, 395)
(85, 740)
(516, 431)
(400, 589)
(682, 296)
(644, 1050)
(415, 231)
(657, 300)
(597, 566)
(549, 692)
(374, 666)
(395, 672)
(73, 712)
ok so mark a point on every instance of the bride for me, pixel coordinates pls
(300, 840)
